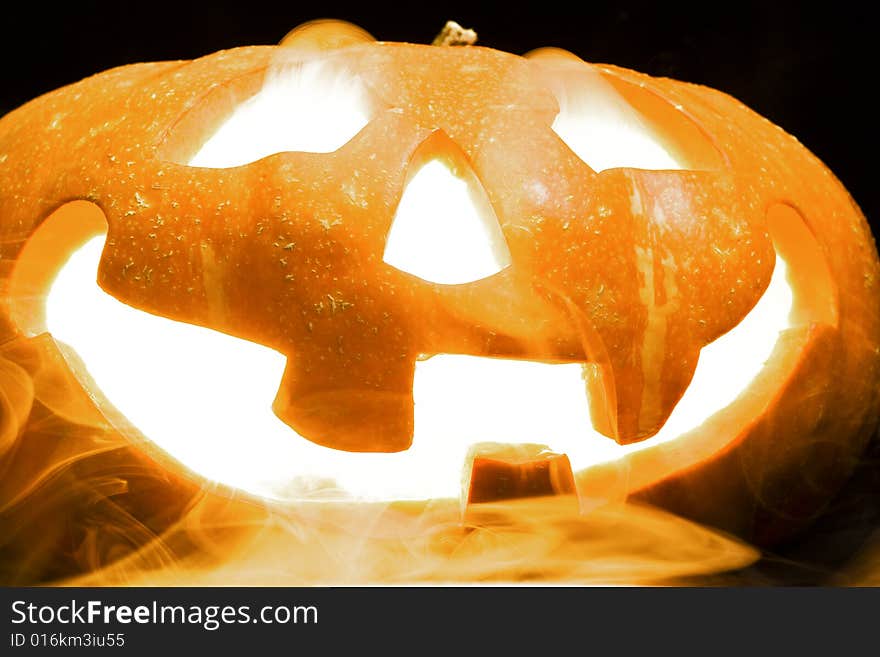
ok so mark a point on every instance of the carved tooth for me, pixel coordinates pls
(497, 472)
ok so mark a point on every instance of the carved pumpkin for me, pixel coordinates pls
(623, 225)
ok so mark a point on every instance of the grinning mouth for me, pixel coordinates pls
(204, 398)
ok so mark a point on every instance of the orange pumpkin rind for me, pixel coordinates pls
(633, 271)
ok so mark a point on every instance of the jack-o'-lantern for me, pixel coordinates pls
(574, 278)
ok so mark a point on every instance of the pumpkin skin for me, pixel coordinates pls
(187, 243)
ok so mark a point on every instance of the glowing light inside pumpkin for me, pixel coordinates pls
(601, 127)
(444, 230)
(309, 106)
(205, 397)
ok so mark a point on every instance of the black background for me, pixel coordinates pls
(810, 69)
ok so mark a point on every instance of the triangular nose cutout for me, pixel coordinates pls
(445, 230)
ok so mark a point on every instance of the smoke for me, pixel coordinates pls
(82, 504)
(523, 541)
(74, 494)
(865, 569)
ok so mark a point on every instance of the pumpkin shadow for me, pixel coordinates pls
(840, 548)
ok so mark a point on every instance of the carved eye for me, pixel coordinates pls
(604, 120)
(314, 106)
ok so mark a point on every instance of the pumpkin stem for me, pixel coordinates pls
(454, 34)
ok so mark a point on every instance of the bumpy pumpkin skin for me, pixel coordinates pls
(596, 261)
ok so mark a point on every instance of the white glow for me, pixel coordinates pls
(444, 230)
(205, 398)
(601, 127)
(311, 106)
(725, 368)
